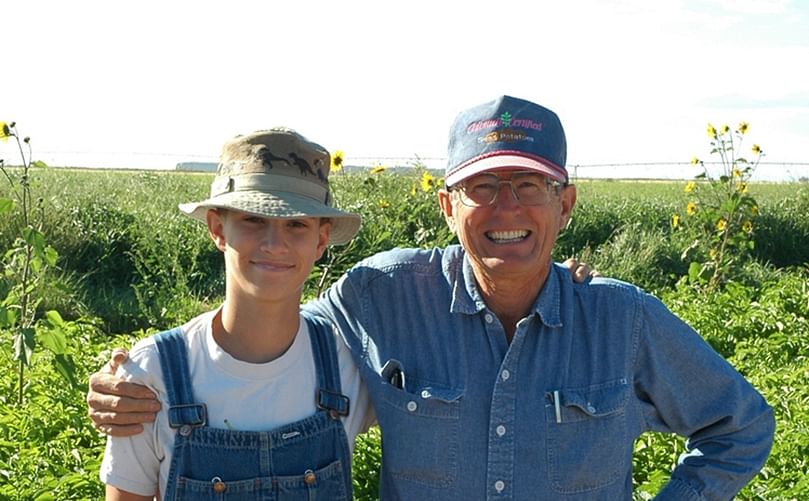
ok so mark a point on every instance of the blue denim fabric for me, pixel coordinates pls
(555, 413)
(305, 460)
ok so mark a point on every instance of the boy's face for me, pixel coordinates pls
(267, 258)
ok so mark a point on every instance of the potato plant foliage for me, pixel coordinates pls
(130, 264)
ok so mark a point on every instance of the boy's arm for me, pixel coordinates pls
(116, 494)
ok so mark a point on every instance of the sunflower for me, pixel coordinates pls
(427, 181)
(337, 161)
(5, 131)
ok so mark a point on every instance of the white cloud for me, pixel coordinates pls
(753, 6)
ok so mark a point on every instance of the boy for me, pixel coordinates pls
(257, 400)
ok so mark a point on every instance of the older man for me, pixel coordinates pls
(495, 376)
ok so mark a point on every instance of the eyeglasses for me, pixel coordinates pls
(529, 188)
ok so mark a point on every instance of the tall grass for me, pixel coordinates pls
(130, 263)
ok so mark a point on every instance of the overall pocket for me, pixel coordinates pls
(586, 433)
(420, 433)
(324, 484)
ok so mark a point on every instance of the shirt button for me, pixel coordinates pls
(499, 486)
(412, 406)
(501, 430)
(185, 430)
(505, 375)
(309, 477)
(426, 394)
(489, 318)
(591, 409)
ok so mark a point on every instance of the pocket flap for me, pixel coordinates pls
(438, 393)
(598, 400)
(431, 401)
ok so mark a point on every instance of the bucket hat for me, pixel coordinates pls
(276, 173)
(506, 133)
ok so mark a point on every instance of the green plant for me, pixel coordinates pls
(720, 211)
(24, 267)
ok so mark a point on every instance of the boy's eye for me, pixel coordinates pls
(294, 223)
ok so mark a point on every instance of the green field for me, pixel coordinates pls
(130, 264)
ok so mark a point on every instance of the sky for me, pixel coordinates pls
(149, 84)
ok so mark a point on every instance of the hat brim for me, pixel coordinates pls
(344, 225)
(506, 161)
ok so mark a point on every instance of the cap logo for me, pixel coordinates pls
(505, 136)
(505, 120)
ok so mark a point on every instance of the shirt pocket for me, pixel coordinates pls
(586, 436)
(420, 433)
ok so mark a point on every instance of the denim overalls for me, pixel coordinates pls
(305, 460)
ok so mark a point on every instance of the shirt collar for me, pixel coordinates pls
(548, 304)
(457, 269)
(466, 296)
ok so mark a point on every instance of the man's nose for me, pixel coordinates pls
(506, 197)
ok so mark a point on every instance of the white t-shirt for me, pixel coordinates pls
(238, 395)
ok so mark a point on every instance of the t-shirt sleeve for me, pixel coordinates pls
(133, 463)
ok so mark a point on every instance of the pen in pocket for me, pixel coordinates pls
(556, 406)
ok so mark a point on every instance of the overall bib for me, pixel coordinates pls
(305, 460)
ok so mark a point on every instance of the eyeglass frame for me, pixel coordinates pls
(557, 187)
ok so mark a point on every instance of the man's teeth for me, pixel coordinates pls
(507, 236)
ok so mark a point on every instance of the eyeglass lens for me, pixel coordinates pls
(527, 187)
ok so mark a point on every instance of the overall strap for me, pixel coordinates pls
(177, 377)
(324, 349)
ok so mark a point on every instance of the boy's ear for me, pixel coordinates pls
(216, 228)
(323, 238)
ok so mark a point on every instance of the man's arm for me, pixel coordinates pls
(689, 389)
(117, 407)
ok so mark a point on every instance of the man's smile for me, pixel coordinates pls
(502, 237)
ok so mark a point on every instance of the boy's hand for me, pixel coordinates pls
(579, 271)
(117, 407)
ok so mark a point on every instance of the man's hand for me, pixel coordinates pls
(117, 407)
(579, 271)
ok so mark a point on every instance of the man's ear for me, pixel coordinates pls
(445, 202)
(568, 201)
(216, 227)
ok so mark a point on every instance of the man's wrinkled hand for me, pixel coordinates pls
(579, 271)
(118, 407)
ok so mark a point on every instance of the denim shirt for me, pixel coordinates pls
(552, 415)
